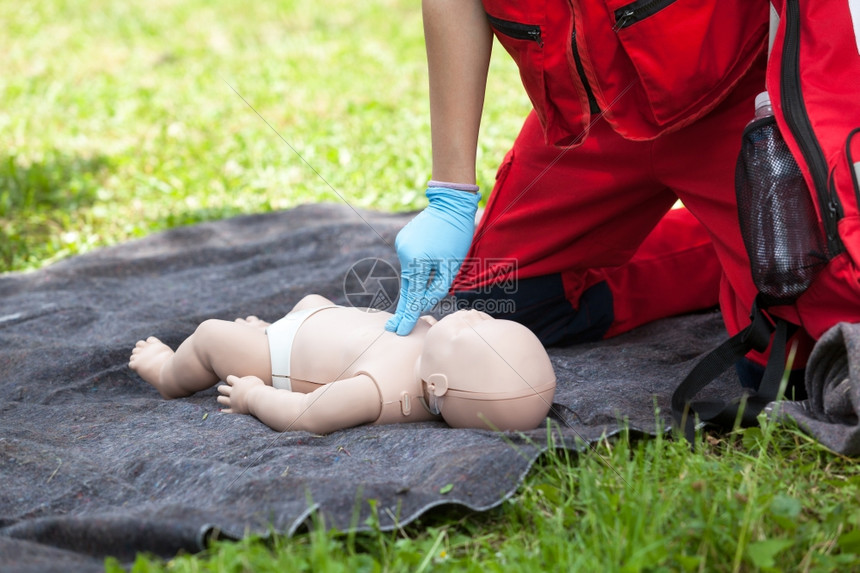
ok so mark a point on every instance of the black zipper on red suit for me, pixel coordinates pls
(592, 101)
(797, 118)
(517, 30)
(532, 32)
(634, 12)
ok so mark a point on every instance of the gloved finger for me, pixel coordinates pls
(442, 280)
(413, 304)
(436, 291)
(407, 323)
(394, 321)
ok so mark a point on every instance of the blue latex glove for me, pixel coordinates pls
(434, 243)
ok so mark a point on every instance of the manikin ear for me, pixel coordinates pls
(437, 384)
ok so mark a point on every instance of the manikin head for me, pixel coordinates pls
(481, 372)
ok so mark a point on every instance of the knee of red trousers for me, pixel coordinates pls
(674, 271)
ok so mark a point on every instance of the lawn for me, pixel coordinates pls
(120, 119)
(124, 118)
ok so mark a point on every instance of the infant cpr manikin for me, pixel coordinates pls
(325, 367)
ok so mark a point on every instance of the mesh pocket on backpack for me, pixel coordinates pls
(780, 228)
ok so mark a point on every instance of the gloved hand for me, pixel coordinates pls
(434, 243)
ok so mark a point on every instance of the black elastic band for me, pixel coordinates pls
(724, 414)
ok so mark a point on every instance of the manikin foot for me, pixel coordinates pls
(148, 359)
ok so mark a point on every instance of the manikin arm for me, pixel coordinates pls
(459, 40)
(341, 404)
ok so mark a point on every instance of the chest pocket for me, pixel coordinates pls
(524, 42)
(542, 53)
(687, 53)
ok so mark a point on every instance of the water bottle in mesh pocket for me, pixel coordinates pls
(780, 228)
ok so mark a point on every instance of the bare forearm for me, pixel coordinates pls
(459, 42)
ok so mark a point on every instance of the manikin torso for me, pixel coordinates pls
(320, 356)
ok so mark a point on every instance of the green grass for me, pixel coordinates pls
(769, 500)
(119, 119)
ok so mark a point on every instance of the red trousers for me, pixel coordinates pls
(601, 213)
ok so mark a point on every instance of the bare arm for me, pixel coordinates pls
(459, 41)
(341, 404)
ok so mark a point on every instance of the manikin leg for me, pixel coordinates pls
(216, 350)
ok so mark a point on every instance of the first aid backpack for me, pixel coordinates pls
(797, 191)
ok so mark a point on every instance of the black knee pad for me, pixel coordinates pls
(540, 304)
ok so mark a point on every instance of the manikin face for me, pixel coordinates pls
(456, 348)
(459, 321)
(440, 338)
(476, 368)
(444, 346)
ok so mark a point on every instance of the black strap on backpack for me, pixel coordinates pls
(756, 336)
(786, 248)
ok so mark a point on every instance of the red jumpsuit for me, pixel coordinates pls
(636, 105)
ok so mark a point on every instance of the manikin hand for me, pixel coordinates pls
(235, 394)
(432, 246)
(254, 321)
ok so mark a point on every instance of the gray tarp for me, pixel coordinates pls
(93, 462)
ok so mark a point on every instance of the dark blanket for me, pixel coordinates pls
(93, 462)
(833, 385)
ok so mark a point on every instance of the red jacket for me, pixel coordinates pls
(650, 66)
